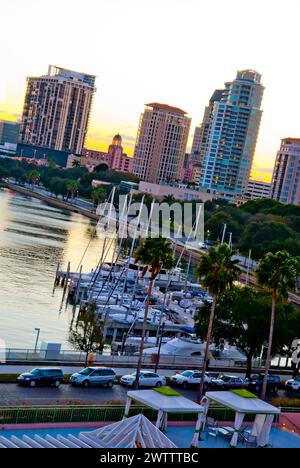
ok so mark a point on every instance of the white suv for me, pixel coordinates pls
(293, 384)
(189, 378)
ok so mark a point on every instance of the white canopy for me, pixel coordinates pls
(241, 404)
(248, 405)
(166, 403)
(133, 432)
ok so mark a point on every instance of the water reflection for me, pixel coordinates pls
(33, 238)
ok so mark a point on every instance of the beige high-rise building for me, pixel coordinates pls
(56, 111)
(161, 143)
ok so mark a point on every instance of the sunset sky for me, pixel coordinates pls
(172, 51)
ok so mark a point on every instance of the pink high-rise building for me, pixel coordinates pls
(285, 185)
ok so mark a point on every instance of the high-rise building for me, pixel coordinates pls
(232, 135)
(201, 132)
(9, 133)
(285, 185)
(56, 113)
(161, 143)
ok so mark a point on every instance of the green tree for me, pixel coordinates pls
(217, 272)
(17, 173)
(98, 195)
(52, 162)
(278, 273)
(238, 313)
(33, 177)
(169, 199)
(58, 186)
(88, 336)
(266, 233)
(216, 223)
(154, 254)
(101, 168)
(72, 187)
(75, 163)
(4, 173)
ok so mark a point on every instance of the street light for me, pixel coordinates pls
(37, 338)
(159, 346)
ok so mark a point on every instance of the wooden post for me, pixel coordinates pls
(67, 275)
(57, 274)
(78, 286)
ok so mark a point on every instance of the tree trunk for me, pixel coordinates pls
(139, 364)
(269, 353)
(249, 366)
(208, 338)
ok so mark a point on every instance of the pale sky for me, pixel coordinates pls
(171, 51)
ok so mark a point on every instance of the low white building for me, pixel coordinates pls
(178, 191)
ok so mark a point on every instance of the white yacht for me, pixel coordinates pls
(190, 346)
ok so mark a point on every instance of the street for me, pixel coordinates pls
(14, 395)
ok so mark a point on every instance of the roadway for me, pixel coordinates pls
(14, 395)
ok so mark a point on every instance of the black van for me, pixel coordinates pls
(42, 376)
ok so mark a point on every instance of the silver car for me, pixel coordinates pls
(147, 379)
(94, 376)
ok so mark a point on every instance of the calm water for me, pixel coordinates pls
(33, 238)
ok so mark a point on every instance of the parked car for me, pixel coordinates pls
(224, 382)
(42, 376)
(94, 376)
(273, 382)
(293, 384)
(189, 378)
(147, 379)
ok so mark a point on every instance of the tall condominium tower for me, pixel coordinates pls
(56, 112)
(201, 132)
(285, 185)
(161, 143)
(232, 135)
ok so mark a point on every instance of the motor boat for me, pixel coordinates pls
(180, 346)
(191, 346)
(135, 341)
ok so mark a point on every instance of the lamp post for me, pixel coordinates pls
(159, 346)
(38, 330)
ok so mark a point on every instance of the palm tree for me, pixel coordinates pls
(98, 195)
(153, 253)
(72, 187)
(278, 272)
(217, 271)
(75, 163)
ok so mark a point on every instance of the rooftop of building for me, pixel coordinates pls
(249, 75)
(262, 182)
(166, 107)
(65, 73)
(9, 122)
(297, 140)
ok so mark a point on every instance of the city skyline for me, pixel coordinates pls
(144, 66)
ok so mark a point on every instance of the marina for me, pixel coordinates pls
(33, 238)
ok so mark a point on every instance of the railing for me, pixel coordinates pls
(13, 354)
(79, 414)
(290, 409)
(86, 414)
